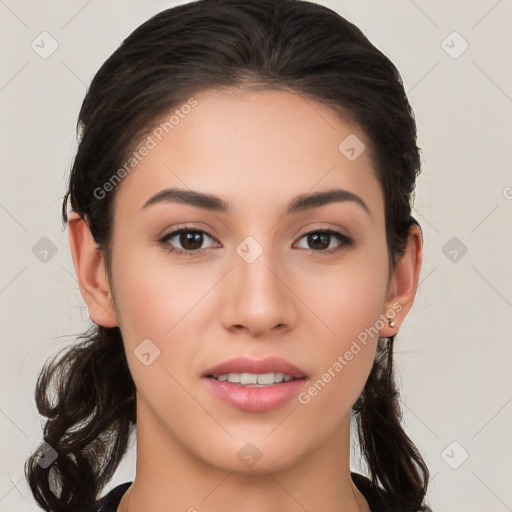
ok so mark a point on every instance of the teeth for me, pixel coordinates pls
(248, 378)
(252, 379)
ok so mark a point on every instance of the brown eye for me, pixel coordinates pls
(320, 240)
(190, 239)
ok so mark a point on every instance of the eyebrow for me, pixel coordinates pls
(213, 203)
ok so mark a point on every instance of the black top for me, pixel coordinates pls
(377, 499)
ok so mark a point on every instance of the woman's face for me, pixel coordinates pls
(258, 286)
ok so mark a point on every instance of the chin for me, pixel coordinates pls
(247, 457)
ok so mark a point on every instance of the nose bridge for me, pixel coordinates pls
(258, 299)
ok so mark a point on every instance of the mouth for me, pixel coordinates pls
(255, 385)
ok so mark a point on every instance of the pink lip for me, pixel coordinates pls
(255, 399)
(247, 365)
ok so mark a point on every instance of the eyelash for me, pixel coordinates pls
(346, 242)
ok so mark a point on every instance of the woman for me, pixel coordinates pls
(242, 235)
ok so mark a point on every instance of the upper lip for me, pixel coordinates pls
(258, 366)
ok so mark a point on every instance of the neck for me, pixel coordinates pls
(170, 478)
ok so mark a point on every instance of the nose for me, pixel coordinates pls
(257, 297)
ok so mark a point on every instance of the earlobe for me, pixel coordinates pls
(404, 283)
(89, 262)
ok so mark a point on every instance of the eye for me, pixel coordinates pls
(321, 240)
(190, 239)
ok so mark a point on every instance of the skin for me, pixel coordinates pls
(257, 150)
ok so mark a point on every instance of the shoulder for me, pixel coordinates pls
(110, 501)
(377, 498)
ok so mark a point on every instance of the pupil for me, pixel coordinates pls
(190, 238)
(316, 237)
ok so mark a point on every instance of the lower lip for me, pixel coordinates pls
(255, 399)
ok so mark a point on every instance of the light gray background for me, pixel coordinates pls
(454, 350)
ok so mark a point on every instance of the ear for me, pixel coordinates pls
(403, 283)
(89, 262)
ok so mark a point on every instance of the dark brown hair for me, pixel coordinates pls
(292, 45)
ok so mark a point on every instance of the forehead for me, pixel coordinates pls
(251, 147)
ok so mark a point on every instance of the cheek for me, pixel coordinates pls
(154, 296)
(348, 298)
(345, 352)
(348, 304)
(157, 301)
